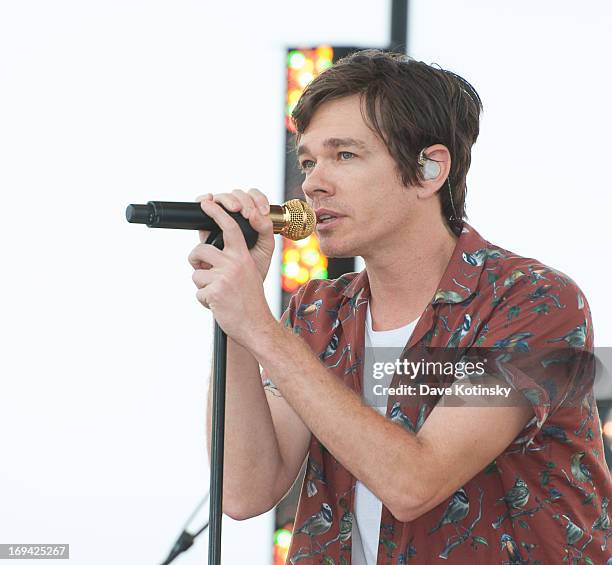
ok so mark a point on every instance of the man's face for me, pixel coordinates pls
(352, 182)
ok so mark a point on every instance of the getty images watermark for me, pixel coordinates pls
(478, 376)
(411, 369)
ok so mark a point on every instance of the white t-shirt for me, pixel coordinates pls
(368, 507)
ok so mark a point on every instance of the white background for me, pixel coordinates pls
(105, 350)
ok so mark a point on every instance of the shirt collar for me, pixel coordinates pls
(460, 279)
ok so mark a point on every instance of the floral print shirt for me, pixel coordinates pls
(545, 499)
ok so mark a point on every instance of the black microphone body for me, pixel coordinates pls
(174, 215)
(294, 219)
(184, 216)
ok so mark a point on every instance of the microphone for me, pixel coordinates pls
(294, 219)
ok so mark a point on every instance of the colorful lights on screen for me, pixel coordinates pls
(303, 260)
(302, 66)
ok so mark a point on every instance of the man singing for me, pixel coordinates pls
(385, 142)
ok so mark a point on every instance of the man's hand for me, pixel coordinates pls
(230, 282)
(254, 206)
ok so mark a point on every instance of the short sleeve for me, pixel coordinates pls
(540, 338)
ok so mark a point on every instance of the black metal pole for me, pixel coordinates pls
(216, 448)
(399, 26)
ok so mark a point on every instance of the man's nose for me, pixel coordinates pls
(317, 183)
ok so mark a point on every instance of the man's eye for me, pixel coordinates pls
(307, 164)
(345, 155)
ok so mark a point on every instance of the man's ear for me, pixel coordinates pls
(441, 155)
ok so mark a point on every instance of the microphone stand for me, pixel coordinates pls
(217, 447)
(185, 540)
(218, 431)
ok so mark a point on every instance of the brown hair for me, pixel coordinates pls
(410, 105)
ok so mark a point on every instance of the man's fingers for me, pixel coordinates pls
(260, 200)
(206, 254)
(202, 296)
(247, 206)
(200, 265)
(253, 202)
(202, 277)
(255, 208)
(261, 223)
(203, 234)
(228, 201)
(253, 205)
(232, 236)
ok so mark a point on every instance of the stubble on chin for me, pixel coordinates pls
(336, 250)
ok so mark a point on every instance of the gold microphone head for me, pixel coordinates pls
(294, 219)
